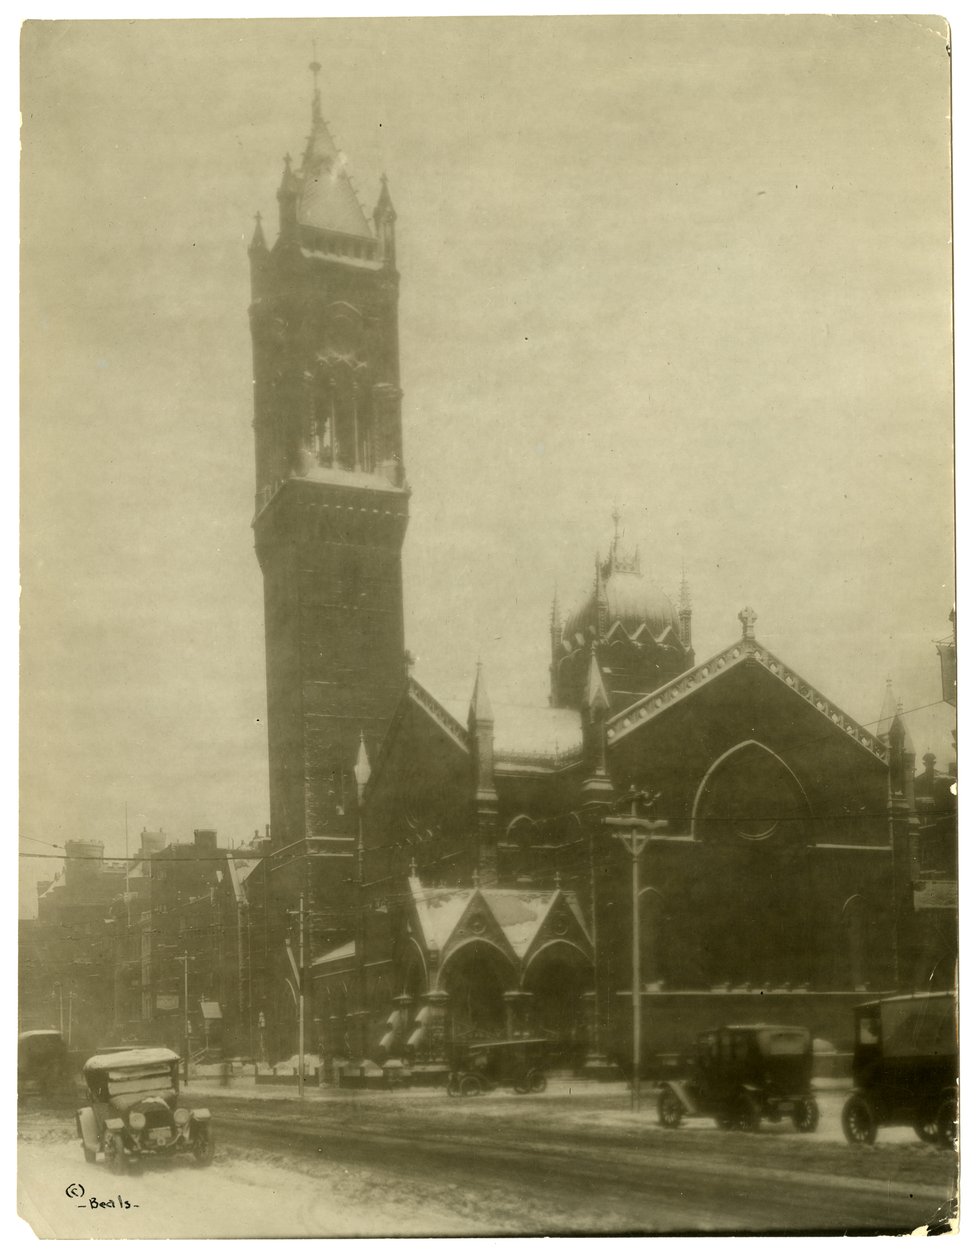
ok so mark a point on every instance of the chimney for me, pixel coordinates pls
(206, 840)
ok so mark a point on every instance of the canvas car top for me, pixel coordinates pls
(146, 1057)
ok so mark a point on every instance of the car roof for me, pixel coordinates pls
(143, 1056)
(947, 996)
(523, 1041)
(757, 1028)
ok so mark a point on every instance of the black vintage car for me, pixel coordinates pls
(42, 1060)
(483, 1066)
(742, 1074)
(134, 1113)
(905, 1068)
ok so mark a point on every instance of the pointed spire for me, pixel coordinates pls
(596, 697)
(889, 709)
(900, 727)
(684, 603)
(258, 244)
(385, 209)
(362, 770)
(327, 199)
(480, 710)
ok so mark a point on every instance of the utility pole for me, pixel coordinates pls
(185, 958)
(635, 834)
(362, 772)
(299, 975)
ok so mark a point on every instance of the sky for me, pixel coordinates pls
(696, 269)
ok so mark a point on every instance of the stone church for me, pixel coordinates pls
(470, 872)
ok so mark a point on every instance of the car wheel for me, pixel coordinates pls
(858, 1122)
(536, 1082)
(926, 1125)
(946, 1124)
(470, 1086)
(670, 1110)
(806, 1115)
(747, 1114)
(202, 1145)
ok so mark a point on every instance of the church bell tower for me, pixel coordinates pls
(331, 505)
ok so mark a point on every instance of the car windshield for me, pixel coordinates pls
(916, 1026)
(785, 1042)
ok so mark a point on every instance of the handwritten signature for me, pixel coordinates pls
(77, 1191)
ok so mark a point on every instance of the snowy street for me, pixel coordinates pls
(573, 1161)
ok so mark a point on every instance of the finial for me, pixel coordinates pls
(748, 619)
(476, 877)
(557, 879)
(412, 868)
(288, 163)
(258, 218)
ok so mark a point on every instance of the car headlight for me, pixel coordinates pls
(181, 1116)
(137, 1120)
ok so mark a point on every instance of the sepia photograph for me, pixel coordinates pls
(488, 738)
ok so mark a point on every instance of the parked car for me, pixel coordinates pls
(483, 1066)
(744, 1073)
(905, 1068)
(42, 1060)
(134, 1112)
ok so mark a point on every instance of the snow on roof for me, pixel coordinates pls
(239, 870)
(141, 1057)
(347, 477)
(520, 914)
(523, 730)
(439, 910)
(336, 955)
(367, 264)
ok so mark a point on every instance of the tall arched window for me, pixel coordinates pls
(750, 795)
(854, 921)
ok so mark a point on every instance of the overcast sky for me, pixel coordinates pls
(697, 268)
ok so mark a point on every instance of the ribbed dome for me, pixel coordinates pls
(630, 599)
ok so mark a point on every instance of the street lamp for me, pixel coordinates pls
(636, 833)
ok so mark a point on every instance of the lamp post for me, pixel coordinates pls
(185, 958)
(635, 833)
(362, 772)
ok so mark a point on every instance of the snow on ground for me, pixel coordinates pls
(233, 1198)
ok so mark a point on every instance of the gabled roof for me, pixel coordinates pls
(438, 911)
(746, 653)
(517, 913)
(440, 714)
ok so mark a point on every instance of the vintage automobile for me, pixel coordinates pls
(133, 1112)
(905, 1068)
(42, 1060)
(480, 1067)
(744, 1073)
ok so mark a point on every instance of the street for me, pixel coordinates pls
(574, 1161)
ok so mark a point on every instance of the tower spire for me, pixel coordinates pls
(315, 69)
